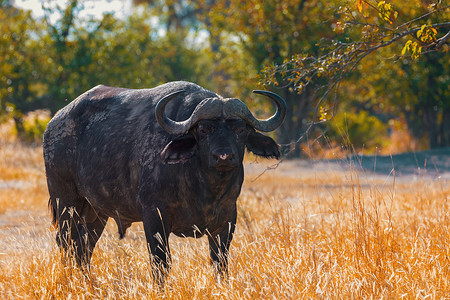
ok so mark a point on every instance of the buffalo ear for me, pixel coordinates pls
(179, 150)
(262, 145)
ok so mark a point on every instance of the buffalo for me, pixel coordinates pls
(169, 156)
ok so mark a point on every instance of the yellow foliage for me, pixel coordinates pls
(360, 6)
(426, 34)
(412, 47)
(386, 11)
(323, 114)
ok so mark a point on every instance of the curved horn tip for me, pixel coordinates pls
(267, 93)
(262, 92)
(169, 97)
(164, 100)
(275, 121)
(176, 93)
(258, 91)
(167, 124)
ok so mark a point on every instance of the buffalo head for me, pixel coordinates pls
(218, 131)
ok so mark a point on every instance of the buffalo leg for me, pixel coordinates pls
(89, 235)
(157, 235)
(68, 230)
(66, 206)
(77, 234)
(219, 246)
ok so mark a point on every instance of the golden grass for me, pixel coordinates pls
(22, 178)
(301, 233)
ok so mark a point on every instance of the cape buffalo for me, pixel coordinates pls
(170, 156)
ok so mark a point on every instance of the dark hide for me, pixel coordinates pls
(179, 150)
(107, 157)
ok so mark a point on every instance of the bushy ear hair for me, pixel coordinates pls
(262, 145)
(179, 150)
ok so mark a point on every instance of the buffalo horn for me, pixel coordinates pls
(212, 107)
(274, 121)
(170, 126)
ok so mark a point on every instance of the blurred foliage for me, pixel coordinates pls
(408, 78)
(319, 55)
(33, 128)
(19, 58)
(267, 32)
(358, 128)
(48, 65)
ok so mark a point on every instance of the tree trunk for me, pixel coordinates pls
(444, 129)
(429, 118)
(292, 128)
(18, 120)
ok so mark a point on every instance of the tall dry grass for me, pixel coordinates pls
(300, 234)
(22, 179)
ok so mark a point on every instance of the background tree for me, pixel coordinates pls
(19, 59)
(71, 55)
(269, 32)
(367, 27)
(244, 37)
(302, 49)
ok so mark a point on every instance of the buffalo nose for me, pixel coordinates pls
(222, 155)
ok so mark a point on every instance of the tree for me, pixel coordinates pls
(176, 15)
(268, 32)
(19, 59)
(182, 20)
(44, 66)
(369, 27)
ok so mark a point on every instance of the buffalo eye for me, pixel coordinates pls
(203, 130)
(240, 130)
(239, 127)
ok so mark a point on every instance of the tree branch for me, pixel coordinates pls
(442, 40)
(423, 16)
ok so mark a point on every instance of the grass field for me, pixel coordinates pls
(302, 232)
